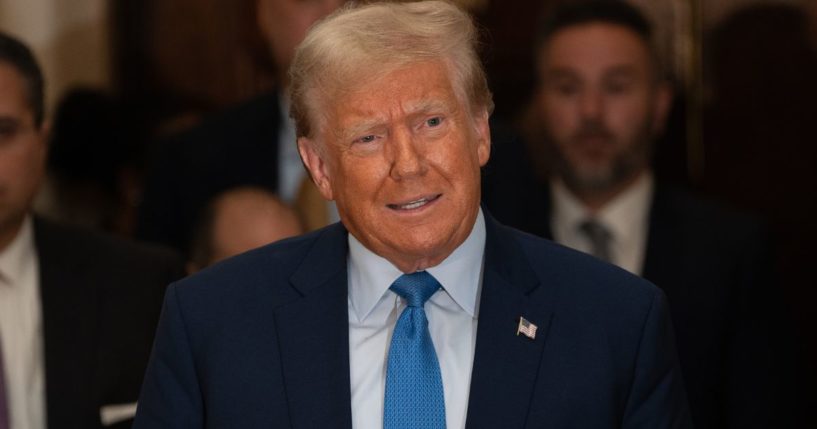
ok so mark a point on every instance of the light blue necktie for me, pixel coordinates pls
(414, 387)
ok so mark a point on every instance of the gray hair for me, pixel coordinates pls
(361, 42)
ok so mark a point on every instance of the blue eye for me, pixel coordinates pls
(366, 139)
(435, 121)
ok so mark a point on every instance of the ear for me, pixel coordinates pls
(314, 160)
(661, 106)
(483, 131)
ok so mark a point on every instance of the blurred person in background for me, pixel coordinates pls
(760, 153)
(238, 220)
(77, 309)
(602, 99)
(94, 165)
(250, 144)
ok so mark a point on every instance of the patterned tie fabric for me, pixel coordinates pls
(599, 237)
(414, 387)
(4, 411)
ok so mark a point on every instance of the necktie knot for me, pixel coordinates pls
(416, 288)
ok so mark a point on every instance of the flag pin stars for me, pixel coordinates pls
(526, 328)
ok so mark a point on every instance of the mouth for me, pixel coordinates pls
(593, 140)
(414, 204)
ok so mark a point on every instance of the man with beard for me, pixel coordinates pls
(602, 101)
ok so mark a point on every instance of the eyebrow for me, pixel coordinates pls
(359, 127)
(427, 106)
(422, 107)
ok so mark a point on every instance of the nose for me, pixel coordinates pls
(592, 104)
(407, 158)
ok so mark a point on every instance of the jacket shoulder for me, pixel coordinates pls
(85, 245)
(576, 278)
(262, 272)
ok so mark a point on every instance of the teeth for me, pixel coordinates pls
(414, 204)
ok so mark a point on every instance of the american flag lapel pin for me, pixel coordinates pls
(526, 328)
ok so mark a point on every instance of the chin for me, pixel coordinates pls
(425, 244)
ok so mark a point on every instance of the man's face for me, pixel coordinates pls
(600, 104)
(22, 153)
(284, 23)
(401, 157)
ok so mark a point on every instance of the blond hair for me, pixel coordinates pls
(359, 43)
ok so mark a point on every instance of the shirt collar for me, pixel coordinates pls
(17, 254)
(628, 211)
(622, 216)
(371, 275)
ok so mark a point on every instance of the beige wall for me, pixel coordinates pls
(69, 38)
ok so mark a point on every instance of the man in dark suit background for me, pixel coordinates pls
(418, 309)
(602, 100)
(252, 144)
(77, 309)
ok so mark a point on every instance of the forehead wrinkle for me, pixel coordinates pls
(562, 71)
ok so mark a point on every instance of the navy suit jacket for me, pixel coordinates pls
(261, 340)
(100, 298)
(715, 267)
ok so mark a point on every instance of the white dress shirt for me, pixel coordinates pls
(21, 331)
(626, 217)
(452, 320)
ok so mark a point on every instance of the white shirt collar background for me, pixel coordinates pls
(626, 217)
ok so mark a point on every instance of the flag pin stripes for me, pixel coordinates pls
(526, 328)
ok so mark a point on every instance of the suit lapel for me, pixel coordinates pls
(69, 328)
(506, 365)
(313, 333)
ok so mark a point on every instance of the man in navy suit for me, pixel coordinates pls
(391, 109)
(602, 100)
(77, 309)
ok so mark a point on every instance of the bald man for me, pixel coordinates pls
(238, 220)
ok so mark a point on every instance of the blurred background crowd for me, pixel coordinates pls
(168, 124)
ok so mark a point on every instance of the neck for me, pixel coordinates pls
(594, 200)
